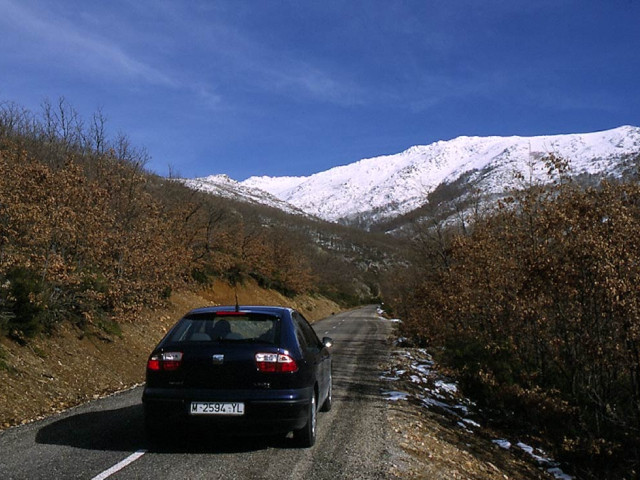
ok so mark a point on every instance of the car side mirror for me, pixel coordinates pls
(327, 342)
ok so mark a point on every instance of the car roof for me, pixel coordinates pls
(265, 309)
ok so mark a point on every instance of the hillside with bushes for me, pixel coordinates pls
(536, 308)
(98, 257)
(88, 236)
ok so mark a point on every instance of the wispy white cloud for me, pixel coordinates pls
(209, 98)
(71, 47)
(306, 81)
(78, 50)
(229, 55)
(241, 58)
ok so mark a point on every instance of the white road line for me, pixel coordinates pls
(119, 466)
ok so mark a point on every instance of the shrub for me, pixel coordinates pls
(539, 308)
(23, 307)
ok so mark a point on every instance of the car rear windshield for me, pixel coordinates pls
(217, 327)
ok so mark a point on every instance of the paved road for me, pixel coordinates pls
(94, 440)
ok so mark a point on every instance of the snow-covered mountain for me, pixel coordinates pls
(224, 186)
(380, 188)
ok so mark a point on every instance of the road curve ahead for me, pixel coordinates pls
(105, 438)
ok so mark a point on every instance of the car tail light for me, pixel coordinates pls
(275, 363)
(167, 361)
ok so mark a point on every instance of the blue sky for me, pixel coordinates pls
(293, 87)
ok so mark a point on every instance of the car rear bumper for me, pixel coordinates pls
(268, 411)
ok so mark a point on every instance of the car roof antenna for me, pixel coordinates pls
(237, 306)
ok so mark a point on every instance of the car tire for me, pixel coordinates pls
(326, 406)
(306, 436)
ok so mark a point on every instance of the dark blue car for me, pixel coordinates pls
(247, 369)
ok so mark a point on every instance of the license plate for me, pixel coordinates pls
(217, 408)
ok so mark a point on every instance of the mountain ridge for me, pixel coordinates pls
(379, 188)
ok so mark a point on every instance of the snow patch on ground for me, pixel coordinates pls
(502, 443)
(394, 396)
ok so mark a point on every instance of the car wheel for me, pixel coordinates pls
(306, 436)
(326, 406)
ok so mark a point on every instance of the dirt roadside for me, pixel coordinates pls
(436, 432)
(431, 449)
(48, 375)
